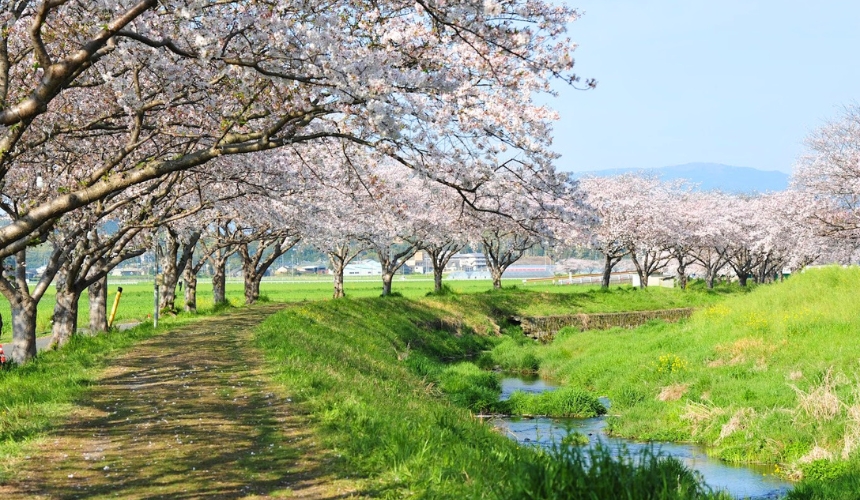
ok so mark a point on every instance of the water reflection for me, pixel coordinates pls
(740, 481)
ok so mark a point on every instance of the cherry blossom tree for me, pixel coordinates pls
(828, 176)
(333, 223)
(393, 233)
(443, 224)
(650, 241)
(710, 211)
(147, 88)
(681, 221)
(613, 201)
(503, 245)
(258, 255)
(225, 236)
(441, 247)
(516, 213)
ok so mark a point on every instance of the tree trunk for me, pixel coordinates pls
(97, 294)
(682, 275)
(219, 280)
(440, 256)
(386, 283)
(252, 288)
(742, 279)
(643, 276)
(710, 279)
(437, 279)
(497, 277)
(65, 317)
(167, 289)
(338, 282)
(249, 276)
(23, 331)
(190, 289)
(607, 271)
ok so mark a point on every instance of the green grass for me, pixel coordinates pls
(839, 481)
(542, 299)
(372, 378)
(763, 377)
(467, 385)
(551, 300)
(564, 402)
(573, 473)
(380, 380)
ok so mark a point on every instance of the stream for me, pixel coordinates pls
(748, 481)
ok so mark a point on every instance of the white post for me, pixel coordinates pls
(155, 281)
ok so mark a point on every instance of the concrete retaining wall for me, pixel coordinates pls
(544, 328)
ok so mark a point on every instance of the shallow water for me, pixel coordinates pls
(756, 482)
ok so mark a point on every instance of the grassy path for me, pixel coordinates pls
(187, 414)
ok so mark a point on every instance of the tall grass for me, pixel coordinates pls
(573, 473)
(565, 402)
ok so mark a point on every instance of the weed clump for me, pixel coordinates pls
(575, 473)
(445, 291)
(222, 306)
(470, 387)
(516, 354)
(564, 402)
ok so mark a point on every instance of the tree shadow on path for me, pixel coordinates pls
(187, 414)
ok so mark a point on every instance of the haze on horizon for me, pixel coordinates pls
(739, 83)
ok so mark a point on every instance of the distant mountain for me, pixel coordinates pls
(710, 176)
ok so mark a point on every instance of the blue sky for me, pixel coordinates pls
(734, 82)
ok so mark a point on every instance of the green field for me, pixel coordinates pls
(137, 298)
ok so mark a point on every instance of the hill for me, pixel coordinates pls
(709, 176)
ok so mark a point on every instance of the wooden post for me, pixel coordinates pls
(115, 306)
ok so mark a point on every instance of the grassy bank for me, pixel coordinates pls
(373, 380)
(768, 377)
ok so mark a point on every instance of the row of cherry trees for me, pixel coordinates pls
(661, 225)
(147, 114)
(241, 126)
(347, 199)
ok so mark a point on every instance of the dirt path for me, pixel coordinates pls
(188, 414)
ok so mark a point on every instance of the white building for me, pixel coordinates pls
(469, 262)
(655, 280)
(368, 267)
(420, 263)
